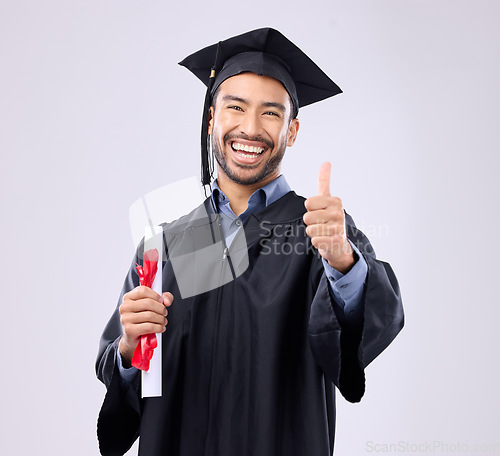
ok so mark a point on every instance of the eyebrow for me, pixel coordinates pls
(273, 104)
(234, 98)
(267, 104)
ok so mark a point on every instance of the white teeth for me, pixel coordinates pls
(244, 147)
(246, 156)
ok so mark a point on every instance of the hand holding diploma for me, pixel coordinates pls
(325, 220)
(143, 311)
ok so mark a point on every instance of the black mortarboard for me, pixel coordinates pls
(263, 51)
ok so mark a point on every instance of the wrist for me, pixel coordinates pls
(126, 352)
(343, 265)
(344, 262)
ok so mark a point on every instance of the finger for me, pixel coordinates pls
(324, 179)
(323, 216)
(324, 229)
(135, 331)
(315, 203)
(142, 305)
(141, 292)
(143, 317)
(168, 298)
(333, 245)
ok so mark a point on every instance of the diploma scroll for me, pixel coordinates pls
(151, 380)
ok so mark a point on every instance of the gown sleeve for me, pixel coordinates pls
(343, 349)
(119, 417)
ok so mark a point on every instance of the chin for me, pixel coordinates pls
(244, 175)
(249, 174)
(244, 178)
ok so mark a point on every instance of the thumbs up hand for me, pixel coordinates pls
(325, 222)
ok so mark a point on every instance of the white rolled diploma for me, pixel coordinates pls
(151, 380)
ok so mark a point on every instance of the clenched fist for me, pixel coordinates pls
(325, 220)
(143, 311)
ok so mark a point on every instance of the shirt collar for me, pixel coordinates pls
(269, 193)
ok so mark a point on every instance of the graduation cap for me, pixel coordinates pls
(263, 51)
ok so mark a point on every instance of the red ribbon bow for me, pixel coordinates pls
(144, 350)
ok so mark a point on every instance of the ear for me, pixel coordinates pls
(210, 119)
(292, 132)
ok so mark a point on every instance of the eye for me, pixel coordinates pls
(272, 113)
(236, 108)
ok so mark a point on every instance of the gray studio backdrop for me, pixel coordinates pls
(95, 112)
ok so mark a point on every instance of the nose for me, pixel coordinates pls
(251, 124)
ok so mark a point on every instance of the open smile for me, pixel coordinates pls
(247, 152)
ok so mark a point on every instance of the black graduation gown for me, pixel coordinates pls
(250, 368)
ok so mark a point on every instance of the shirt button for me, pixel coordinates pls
(345, 285)
(238, 222)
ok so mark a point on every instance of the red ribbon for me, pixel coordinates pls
(144, 350)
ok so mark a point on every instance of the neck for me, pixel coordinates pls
(239, 194)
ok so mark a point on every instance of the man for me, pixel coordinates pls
(250, 366)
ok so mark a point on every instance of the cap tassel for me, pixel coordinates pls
(207, 170)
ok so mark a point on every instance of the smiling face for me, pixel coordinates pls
(251, 128)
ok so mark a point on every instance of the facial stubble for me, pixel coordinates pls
(272, 164)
